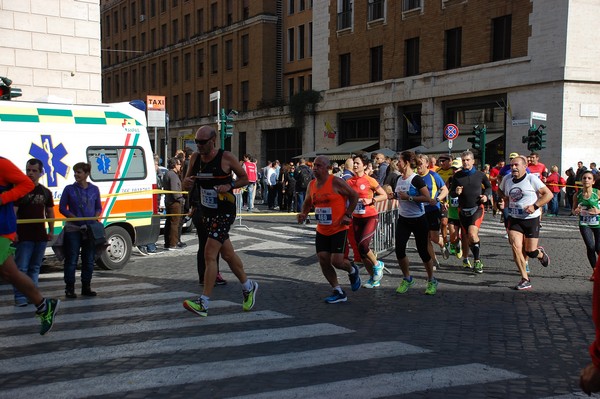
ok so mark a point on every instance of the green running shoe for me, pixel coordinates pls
(458, 247)
(250, 297)
(467, 263)
(478, 266)
(47, 316)
(196, 306)
(431, 287)
(405, 285)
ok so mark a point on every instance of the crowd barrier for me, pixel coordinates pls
(385, 234)
(239, 203)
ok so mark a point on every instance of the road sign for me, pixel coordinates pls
(538, 116)
(450, 131)
(156, 107)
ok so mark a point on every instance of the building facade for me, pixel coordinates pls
(51, 49)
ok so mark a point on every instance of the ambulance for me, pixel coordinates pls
(113, 139)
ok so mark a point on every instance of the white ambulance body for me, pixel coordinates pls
(114, 140)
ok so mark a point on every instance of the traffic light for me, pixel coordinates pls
(7, 92)
(541, 141)
(477, 139)
(226, 125)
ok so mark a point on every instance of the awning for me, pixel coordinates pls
(385, 151)
(460, 144)
(342, 151)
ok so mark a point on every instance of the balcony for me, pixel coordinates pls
(344, 19)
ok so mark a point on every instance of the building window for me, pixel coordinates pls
(199, 63)
(163, 35)
(291, 7)
(117, 53)
(245, 50)
(310, 39)
(187, 26)
(376, 8)
(125, 82)
(344, 17)
(187, 106)
(175, 3)
(143, 42)
(229, 55)
(300, 83)
(142, 7)
(200, 103)
(290, 45)
(301, 42)
(175, 27)
(174, 114)
(187, 66)
(229, 96)
(163, 6)
(152, 8)
(134, 16)
(214, 16)
(143, 78)
(213, 104)
(376, 64)
(214, 60)
(200, 21)
(229, 12)
(154, 75)
(246, 9)
(359, 128)
(164, 73)
(410, 4)
(245, 95)
(134, 48)
(153, 39)
(412, 56)
(301, 5)
(345, 70)
(501, 37)
(106, 27)
(175, 71)
(453, 48)
(124, 17)
(117, 86)
(290, 88)
(134, 81)
(116, 21)
(108, 87)
(125, 54)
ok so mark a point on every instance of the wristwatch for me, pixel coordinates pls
(410, 198)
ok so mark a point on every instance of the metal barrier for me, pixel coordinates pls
(385, 234)
(239, 203)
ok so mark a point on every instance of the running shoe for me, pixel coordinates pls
(336, 297)
(196, 306)
(250, 297)
(524, 284)
(445, 252)
(431, 287)
(378, 271)
(355, 281)
(220, 280)
(545, 260)
(405, 285)
(47, 316)
(371, 283)
(459, 253)
(527, 266)
(436, 265)
(467, 263)
(478, 266)
(451, 248)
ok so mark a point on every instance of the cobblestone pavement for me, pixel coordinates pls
(477, 338)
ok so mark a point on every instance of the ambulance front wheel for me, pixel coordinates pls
(119, 249)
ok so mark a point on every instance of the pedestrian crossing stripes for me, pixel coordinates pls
(74, 343)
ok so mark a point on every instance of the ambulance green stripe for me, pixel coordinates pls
(19, 118)
(82, 120)
(54, 112)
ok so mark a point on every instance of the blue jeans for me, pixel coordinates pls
(72, 244)
(300, 200)
(251, 187)
(554, 204)
(29, 256)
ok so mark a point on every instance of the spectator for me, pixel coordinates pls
(382, 165)
(579, 171)
(250, 168)
(173, 204)
(555, 182)
(570, 189)
(303, 176)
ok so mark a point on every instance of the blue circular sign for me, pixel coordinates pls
(450, 131)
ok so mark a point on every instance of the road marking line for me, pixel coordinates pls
(396, 384)
(101, 290)
(212, 371)
(61, 283)
(99, 301)
(58, 335)
(170, 345)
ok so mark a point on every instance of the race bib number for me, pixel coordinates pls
(585, 219)
(516, 210)
(454, 202)
(360, 208)
(324, 216)
(208, 198)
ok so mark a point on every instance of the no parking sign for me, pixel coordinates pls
(450, 133)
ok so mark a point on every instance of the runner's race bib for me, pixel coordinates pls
(324, 216)
(360, 208)
(515, 210)
(454, 202)
(209, 198)
(585, 219)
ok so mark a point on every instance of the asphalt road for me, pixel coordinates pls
(477, 338)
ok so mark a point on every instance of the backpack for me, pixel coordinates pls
(304, 177)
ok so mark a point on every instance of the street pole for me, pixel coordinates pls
(166, 138)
